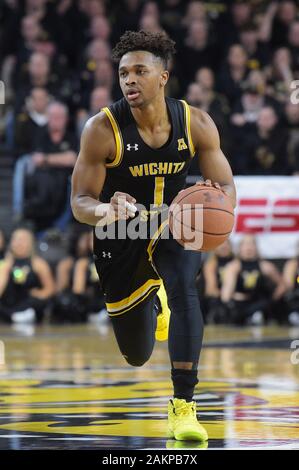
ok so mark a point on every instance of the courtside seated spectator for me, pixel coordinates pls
(79, 246)
(65, 307)
(251, 287)
(213, 273)
(79, 295)
(86, 289)
(26, 282)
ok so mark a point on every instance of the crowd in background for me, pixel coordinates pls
(33, 288)
(235, 287)
(235, 59)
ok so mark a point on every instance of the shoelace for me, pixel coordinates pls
(185, 409)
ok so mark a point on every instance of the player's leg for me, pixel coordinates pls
(178, 269)
(135, 332)
(130, 287)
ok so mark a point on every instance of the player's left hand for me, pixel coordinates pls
(225, 189)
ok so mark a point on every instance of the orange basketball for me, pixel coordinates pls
(205, 227)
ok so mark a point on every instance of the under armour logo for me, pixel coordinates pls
(106, 255)
(130, 147)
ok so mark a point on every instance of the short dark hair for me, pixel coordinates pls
(159, 44)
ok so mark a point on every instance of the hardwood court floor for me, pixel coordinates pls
(69, 388)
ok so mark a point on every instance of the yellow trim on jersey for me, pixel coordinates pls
(118, 139)
(140, 294)
(159, 190)
(153, 243)
(188, 127)
(122, 306)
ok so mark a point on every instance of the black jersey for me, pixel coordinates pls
(152, 176)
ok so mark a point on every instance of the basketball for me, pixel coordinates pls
(212, 226)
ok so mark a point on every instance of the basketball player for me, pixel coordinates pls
(138, 151)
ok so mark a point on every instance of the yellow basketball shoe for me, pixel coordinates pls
(182, 421)
(163, 316)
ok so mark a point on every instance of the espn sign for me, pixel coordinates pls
(269, 207)
(258, 215)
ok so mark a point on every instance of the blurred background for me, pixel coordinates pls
(237, 60)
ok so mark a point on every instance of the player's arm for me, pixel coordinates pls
(97, 146)
(90, 172)
(212, 162)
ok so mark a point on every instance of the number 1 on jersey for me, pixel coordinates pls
(159, 191)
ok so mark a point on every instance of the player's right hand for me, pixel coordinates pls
(123, 205)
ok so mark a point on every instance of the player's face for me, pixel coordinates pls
(141, 77)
